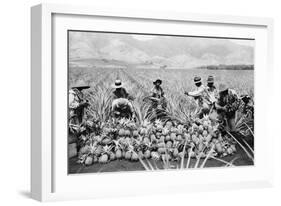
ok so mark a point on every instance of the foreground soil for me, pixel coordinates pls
(241, 159)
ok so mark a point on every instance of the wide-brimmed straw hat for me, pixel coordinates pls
(157, 81)
(118, 84)
(80, 84)
(197, 79)
(222, 87)
(210, 79)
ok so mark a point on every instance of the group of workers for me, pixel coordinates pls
(223, 100)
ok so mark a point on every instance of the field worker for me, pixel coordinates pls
(212, 93)
(200, 95)
(121, 106)
(247, 106)
(77, 102)
(227, 106)
(157, 95)
(158, 103)
(120, 91)
(157, 91)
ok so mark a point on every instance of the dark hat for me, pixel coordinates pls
(80, 84)
(197, 79)
(210, 79)
(157, 81)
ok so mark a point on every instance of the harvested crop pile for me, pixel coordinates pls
(158, 141)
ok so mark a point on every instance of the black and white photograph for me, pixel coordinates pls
(149, 102)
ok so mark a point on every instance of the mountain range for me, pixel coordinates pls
(157, 51)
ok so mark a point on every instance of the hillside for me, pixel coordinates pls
(159, 51)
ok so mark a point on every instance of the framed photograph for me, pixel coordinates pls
(136, 102)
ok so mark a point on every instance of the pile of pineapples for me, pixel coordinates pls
(157, 140)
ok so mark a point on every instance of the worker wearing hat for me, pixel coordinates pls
(120, 91)
(77, 102)
(227, 106)
(158, 101)
(211, 90)
(121, 104)
(157, 91)
(210, 81)
(200, 96)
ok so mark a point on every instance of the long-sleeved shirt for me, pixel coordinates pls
(212, 94)
(198, 92)
(200, 95)
(76, 112)
(157, 92)
(120, 93)
(75, 98)
(230, 101)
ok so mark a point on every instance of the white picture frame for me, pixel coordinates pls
(49, 183)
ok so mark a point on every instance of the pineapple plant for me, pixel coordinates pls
(200, 129)
(135, 133)
(180, 129)
(187, 136)
(118, 153)
(95, 159)
(165, 131)
(147, 154)
(158, 125)
(168, 124)
(127, 133)
(104, 158)
(169, 144)
(161, 150)
(98, 150)
(167, 137)
(162, 138)
(175, 152)
(140, 154)
(129, 151)
(89, 160)
(208, 138)
(143, 131)
(219, 148)
(146, 140)
(112, 156)
(134, 156)
(117, 149)
(121, 132)
(106, 140)
(155, 156)
(173, 136)
(205, 133)
(153, 138)
(128, 155)
(85, 150)
(179, 138)
(166, 157)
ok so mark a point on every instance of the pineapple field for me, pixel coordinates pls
(177, 140)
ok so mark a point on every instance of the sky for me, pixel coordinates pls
(236, 41)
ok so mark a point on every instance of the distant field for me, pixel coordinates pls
(174, 80)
